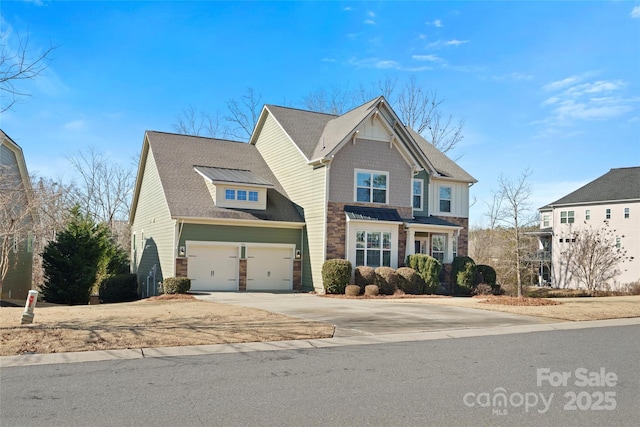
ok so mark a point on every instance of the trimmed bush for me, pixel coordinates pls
(364, 275)
(407, 280)
(119, 288)
(483, 289)
(336, 274)
(352, 290)
(371, 290)
(428, 270)
(176, 285)
(386, 280)
(488, 274)
(464, 274)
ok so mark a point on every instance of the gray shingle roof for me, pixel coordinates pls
(432, 220)
(444, 165)
(617, 184)
(237, 176)
(185, 189)
(372, 214)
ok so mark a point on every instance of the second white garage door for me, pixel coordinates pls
(269, 268)
(213, 267)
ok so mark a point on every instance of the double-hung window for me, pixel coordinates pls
(567, 217)
(626, 213)
(607, 214)
(417, 194)
(437, 247)
(545, 220)
(372, 187)
(373, 248)
(445, 199)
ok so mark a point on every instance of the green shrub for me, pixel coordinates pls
(386, 280)
(460, 264)
(119, 288)
(464, 273)
(488, 274)
(407, 280)
(428, 270)
(352, 290)
(364, 275)
(176, 285)
(371, 290)
(336, 274)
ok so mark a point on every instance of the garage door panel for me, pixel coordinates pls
(213, 268)
(269, 268)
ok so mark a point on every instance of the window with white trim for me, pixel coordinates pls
(618, 243)
(417, 194)
(567, 217)
(229, 194)
(372, 187)
(587, 215)
(626, 213)
(253, 196)
(373, 248)
(437, 247)
(454, 244)
(607, 214)
(445, 198)
(240, 195)
(546, 220)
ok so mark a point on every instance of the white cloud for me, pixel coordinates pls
(442, 43)
(374, 63)
(436, 23)
(36, 2)
(347, 9)
(371, 14)
(431, 58)
(513, 76)
(328, 60)
(370, 22)
(635, 12)
(455, 42)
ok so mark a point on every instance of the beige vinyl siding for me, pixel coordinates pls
(153, 227)
(459, 198)
(17, 282)
(305, 186)
(375, 156)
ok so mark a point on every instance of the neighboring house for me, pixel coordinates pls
(15, 221)
(614, 199)
(359, 186)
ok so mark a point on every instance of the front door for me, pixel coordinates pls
(421, 245)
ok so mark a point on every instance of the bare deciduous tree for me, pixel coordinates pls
(515, 215)
(243, 114)
(192, 122)
(53, 200)
(17, 213)
(18, 63)
(105, 189)
(594, 256)
(334, 101)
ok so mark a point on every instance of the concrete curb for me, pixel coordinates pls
(197, 350)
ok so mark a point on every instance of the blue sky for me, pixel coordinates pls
(553, 86)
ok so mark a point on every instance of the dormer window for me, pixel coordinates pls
(235, 188)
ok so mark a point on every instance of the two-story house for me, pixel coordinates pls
(359, 186)
(612, 201)
(16, 219)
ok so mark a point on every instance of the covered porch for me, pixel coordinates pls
(432, 236)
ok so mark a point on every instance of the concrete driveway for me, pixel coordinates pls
(353, 317)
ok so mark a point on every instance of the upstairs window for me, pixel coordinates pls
(445, 199)
(230, 194)
(587, 215)
(545, 220)
(608, 214)
(417, 194)
(371, 187)
(242, 194)
(626, 213)
(567, 217)
(253, 196)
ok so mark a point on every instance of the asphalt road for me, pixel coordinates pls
(578, 377)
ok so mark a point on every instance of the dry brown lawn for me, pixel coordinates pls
(146, 323)
(574, 309)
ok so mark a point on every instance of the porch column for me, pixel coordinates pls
(411, 242)
(448, 258)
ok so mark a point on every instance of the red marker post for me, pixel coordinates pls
(30, 305)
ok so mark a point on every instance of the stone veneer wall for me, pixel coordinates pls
(297, 275)
(337, 229)
(463, 239)
(242, 276)
(181, 267)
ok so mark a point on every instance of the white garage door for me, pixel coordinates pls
(269, 269)
(213, 268)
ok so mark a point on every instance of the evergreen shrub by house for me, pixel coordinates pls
(407, 280)
(336, 274)
(428, 269)
(119, 288)
(386, 280)
(371, 290)
(488, 274)
(176, 285)
(464, 272)
(364, 275)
